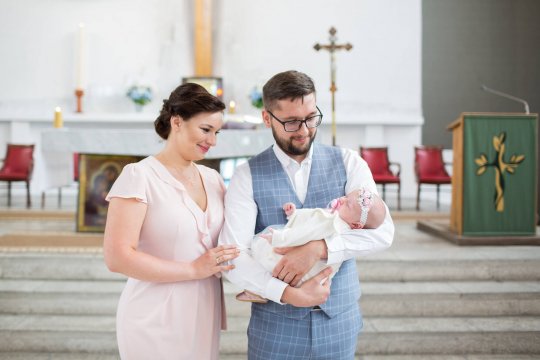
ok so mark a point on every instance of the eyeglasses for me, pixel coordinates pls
(295, 125)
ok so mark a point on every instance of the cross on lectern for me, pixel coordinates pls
(332, 48)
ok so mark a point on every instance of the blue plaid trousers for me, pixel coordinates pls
(314, 337)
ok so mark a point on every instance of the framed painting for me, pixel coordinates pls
(97, 174)
(214, 85)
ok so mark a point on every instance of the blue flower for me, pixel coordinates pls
(256, 98)
(140, 95)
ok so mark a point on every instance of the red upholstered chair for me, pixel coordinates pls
(380, 166)
(429, 168)
(18, 166)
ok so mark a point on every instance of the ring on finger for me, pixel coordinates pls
(218, 259)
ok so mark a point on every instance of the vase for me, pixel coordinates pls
(138, 107)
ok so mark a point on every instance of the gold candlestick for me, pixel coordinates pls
(79, 93)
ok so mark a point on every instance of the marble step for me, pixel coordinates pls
(83, 356)
(419, 266)
(400, 336)
(378, 299)
(94, 356)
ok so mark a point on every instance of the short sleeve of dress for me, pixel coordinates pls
(131, 183)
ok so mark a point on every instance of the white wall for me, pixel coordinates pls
(381, 74)
(151, 41)
(127, 41)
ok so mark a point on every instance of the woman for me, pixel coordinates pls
(164, 218)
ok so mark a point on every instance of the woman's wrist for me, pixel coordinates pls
(191, 270)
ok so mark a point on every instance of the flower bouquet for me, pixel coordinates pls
(140, 95)
(256, 98)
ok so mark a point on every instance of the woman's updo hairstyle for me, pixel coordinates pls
(186, 101)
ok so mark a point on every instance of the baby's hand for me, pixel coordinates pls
(268, 236)
(289, 208)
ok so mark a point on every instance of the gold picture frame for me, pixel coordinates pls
(97, 173)
(214, 85)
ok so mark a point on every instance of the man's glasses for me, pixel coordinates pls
(295, 125)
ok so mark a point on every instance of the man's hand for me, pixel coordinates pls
(297, 261)
(313, 292)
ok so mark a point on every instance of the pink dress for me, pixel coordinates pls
(178, 320)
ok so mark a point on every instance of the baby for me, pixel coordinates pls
(304, 225)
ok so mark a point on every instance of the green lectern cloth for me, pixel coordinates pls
(499, 175)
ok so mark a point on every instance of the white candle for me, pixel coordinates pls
(232, 107)
(58, 121)
(80, 58)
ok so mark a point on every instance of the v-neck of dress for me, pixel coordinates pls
(170, 179)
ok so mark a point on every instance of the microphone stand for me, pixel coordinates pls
(485, 88)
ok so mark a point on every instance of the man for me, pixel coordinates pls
(317, 320)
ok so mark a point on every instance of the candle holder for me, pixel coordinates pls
(79, 93)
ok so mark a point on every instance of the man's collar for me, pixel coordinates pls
(286, 160)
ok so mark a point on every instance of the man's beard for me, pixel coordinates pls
(288, 147)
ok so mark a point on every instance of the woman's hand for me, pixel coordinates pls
(211, 262)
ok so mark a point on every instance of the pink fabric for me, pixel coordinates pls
(180, 320)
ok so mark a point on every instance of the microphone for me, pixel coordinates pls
(499, 93)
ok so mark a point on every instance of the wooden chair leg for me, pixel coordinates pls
(59, 197)
(438, 186)
(28, 197)
(399, 197)
(43, 199)
(9, 194)
(384, 192)
(418, 198)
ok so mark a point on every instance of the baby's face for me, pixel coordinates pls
(348, 208)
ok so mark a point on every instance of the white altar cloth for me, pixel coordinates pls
(58, 145)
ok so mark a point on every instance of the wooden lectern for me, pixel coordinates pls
(495, 174)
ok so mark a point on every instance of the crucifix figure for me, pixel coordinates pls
(332, 48)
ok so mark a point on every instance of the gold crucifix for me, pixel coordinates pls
(332, 48)
(500, 166)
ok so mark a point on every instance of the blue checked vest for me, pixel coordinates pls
(272, 188)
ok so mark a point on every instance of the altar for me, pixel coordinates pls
(133, 134)
(58, 145)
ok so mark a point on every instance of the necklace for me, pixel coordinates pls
(188, 179)
(187, 176)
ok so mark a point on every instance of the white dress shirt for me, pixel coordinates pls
(241, 215)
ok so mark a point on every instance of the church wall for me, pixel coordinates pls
(126, 42)
(470, 43)
(380, 76)
(150, 42)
